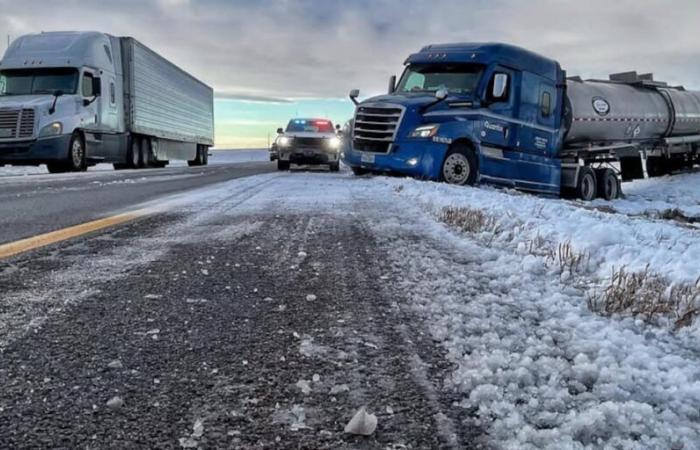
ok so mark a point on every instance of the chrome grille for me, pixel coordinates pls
(26, 124)
(9, 121)
(375, 127)
(15, 123)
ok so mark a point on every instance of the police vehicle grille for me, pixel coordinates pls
(307, 142)
(375, 128)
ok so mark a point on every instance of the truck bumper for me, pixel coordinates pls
(35, 152)
(304, 156)
(418, 158)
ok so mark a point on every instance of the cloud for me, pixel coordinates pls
(250, 97)
(281, 50)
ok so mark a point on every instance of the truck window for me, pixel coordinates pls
(458, 79)
(112, 93)
(546, 104)
(39, 81)
(87, 85)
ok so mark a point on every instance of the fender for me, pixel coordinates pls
(456, 130)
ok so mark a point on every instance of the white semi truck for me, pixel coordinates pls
(74, 99)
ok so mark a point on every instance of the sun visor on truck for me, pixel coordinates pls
(442, 57)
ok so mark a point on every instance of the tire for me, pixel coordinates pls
(334, 167)
(76, 154)
(359, 171)
(145, 153)
(608, 185)
(283, 165)
(134, 154)
(586, 186)
(201, 158)
(120, 166)
(460, 166)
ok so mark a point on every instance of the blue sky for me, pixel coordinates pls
(269, 60)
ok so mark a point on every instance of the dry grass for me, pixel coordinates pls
(568, 259)
(469, 220)
(649, 296)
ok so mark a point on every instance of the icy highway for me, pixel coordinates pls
(250, 308)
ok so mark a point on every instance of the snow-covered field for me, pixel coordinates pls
(537, 367)
(217, 157)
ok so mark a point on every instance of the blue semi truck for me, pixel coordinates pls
(497, 113)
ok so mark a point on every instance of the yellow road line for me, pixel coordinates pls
(42, 240)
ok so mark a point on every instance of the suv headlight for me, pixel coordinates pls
(283, 141)
(334, 143)
(52, 129)
(425, 131)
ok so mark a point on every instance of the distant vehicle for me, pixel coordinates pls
(307, 141)
(74, 99)
(469, 113)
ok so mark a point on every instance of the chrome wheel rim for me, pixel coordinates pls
(77, 153)
(456, 169)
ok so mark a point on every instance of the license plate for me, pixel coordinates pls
(367, 158)
(6, 132)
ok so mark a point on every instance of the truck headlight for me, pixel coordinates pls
(425, 131)
(52, 129)
(283, 141)
(334, 143)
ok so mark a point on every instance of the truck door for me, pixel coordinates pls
(498, 128)
(90, 117)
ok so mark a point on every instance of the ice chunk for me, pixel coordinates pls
(362, 423)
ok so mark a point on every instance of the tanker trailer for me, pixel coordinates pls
(648, 127)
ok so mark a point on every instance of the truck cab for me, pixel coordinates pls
(465, 113)
(60, 96)
(307, 141)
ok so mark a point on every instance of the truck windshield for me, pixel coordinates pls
(313, 126)
(459, 79)
(38, 81)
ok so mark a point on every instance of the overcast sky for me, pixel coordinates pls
(260, 55)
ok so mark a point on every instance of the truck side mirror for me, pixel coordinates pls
(97, 86)
(280, 131)
(441, 94)
(354, 94)
(392, 84)
(500, 86)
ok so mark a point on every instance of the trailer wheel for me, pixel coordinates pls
(283, 165)
(608, 185)
(134, 154)
(586, 187)
(145, 153)
(460, 166)
(201, 158)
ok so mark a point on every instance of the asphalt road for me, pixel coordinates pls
(35, 204)
(243, 317)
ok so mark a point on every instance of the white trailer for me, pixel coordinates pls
(75, 99)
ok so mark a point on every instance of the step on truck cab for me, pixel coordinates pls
(307, 141)
(497, 113)
(75, 99)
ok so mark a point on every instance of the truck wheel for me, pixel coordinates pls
(359, 171)
(76, 154)
(201, 158)
(134, 154)
(586, 187)
(608, 184)
(334, 167)
(145, 153)
(283, 165)
(460, 166)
